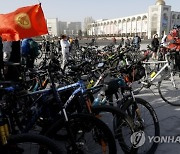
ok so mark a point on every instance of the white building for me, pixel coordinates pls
(62, 27)
(53, 26)
(159, 19)
(73, 28)
(56, 28)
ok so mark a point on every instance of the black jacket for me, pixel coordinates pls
(155, 42)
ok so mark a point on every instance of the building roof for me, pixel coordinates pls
(160, 2)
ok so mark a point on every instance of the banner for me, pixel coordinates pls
(25, 22)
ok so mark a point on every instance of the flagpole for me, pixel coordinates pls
(39, 2)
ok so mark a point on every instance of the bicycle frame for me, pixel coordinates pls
(167, 64)
(80, 88)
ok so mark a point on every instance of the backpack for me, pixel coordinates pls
(25, 48)
(34, 48)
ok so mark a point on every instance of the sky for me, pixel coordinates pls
(77, 10)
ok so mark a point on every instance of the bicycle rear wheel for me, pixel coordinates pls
(145, 119)
(91, 135)
(169, 89)
(120, 122)
(29, 144)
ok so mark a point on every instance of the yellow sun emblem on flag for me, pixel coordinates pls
(22, 19)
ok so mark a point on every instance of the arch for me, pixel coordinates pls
(138, 18)
(119, 21)
(128, 20)
(133, 19)
(153, 23)
(144, 17)
(165, 22)
(178, 17)
(124, 20)
(173, 16)
(128, 26)
(124, 26)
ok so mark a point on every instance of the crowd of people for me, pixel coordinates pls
(26, 49)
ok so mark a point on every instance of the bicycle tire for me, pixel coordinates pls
(167, 92)
(17, 144)
(154, 117)
(120, 117)
(87, 125)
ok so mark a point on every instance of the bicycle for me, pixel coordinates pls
(23, 143)
(35, 110)
(139, 110)
(167, 77)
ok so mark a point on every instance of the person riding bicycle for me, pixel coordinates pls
(173, 40)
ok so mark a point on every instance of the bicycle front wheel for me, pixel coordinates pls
(30, 144)
(91, 135)
(169, 89)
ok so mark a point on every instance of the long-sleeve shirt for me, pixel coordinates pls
(65, 45)
(155, 42)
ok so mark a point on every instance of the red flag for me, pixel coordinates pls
(25, 22)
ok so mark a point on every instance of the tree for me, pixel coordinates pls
(87, 22)
(80, 33)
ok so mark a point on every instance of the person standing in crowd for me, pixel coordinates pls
(29, 51)
(7, 49)
(136, 41)
(93, 41)
(13, 71)
(114, 40)
(57, 44)
(16, 52)
(65, 49)
(71, 43)
(76, 42)
(47, 46)
(122, 41)
(127, 42)
(164, 42)
(155, 45)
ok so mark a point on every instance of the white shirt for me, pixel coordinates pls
(163, 41)
(7, 46)
(65, 45)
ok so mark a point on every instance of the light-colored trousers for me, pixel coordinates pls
(65, 56)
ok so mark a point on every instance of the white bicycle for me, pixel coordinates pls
(168, 79)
